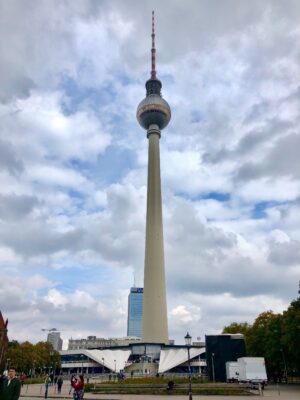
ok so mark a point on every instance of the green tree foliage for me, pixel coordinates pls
(27, 356)
(13, 343)
(265, 341)
(291, 334)
(242, 327)
(235, 327)
(275, 337)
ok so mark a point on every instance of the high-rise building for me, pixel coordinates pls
(135, 312)
(154, 114)
(55, 339)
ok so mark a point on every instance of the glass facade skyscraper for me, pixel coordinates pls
(55, 339)
(135, 312)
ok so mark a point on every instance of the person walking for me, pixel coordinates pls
(59, 383)
(11, 387)
(78, 386)
(47, 382)
(22, 378)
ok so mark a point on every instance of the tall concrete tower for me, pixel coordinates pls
(154, 114)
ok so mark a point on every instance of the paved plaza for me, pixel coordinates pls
(288, 392)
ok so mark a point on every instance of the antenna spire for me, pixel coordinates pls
(153, 50)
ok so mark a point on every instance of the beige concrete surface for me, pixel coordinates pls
(284, 392)
(155, 319)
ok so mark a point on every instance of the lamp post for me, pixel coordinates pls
(213, 365)
(32, 370)
(51, 365)
(7, 364)
(199, 366)
(188, 342)
(115, 366)
(103, 365)
(284, 363)
(82, 357)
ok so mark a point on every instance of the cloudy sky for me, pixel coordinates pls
(73, 161)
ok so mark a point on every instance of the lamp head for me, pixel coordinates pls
(188, 339)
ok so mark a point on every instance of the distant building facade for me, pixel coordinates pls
(135, 358)
(92, 342)
(135, 312)
(3, 342)
(219, 350)
(55, 339)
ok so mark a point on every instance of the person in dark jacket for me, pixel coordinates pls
(2, 380)
(11, 387)
(59, 383)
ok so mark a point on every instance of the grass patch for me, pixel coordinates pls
(30, 381)
(159, 387)
(153, 381)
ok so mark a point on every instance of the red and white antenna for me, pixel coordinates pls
(153, 51)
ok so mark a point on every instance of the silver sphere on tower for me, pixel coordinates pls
(153, 109)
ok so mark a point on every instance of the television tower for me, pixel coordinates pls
(154, 114)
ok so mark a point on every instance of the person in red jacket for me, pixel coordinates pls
(22, 378)
(78, 386)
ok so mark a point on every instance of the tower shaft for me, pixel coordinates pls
(155, 322)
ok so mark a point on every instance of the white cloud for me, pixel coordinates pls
(269, 189)
(181, 314)
(52, 133)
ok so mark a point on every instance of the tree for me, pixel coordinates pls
(240, 327)
(28, 357)
(21, 355)
(237, 327)
(291, 336)
(45, 356)
(276, 337)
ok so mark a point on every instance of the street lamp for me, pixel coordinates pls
(199, 366)
(7, 363)
(82, 357)
(284, 363)
(115, 366)
(188, 342)
(32, 370)
(51, 365)
(102, 365)
(213, 365)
